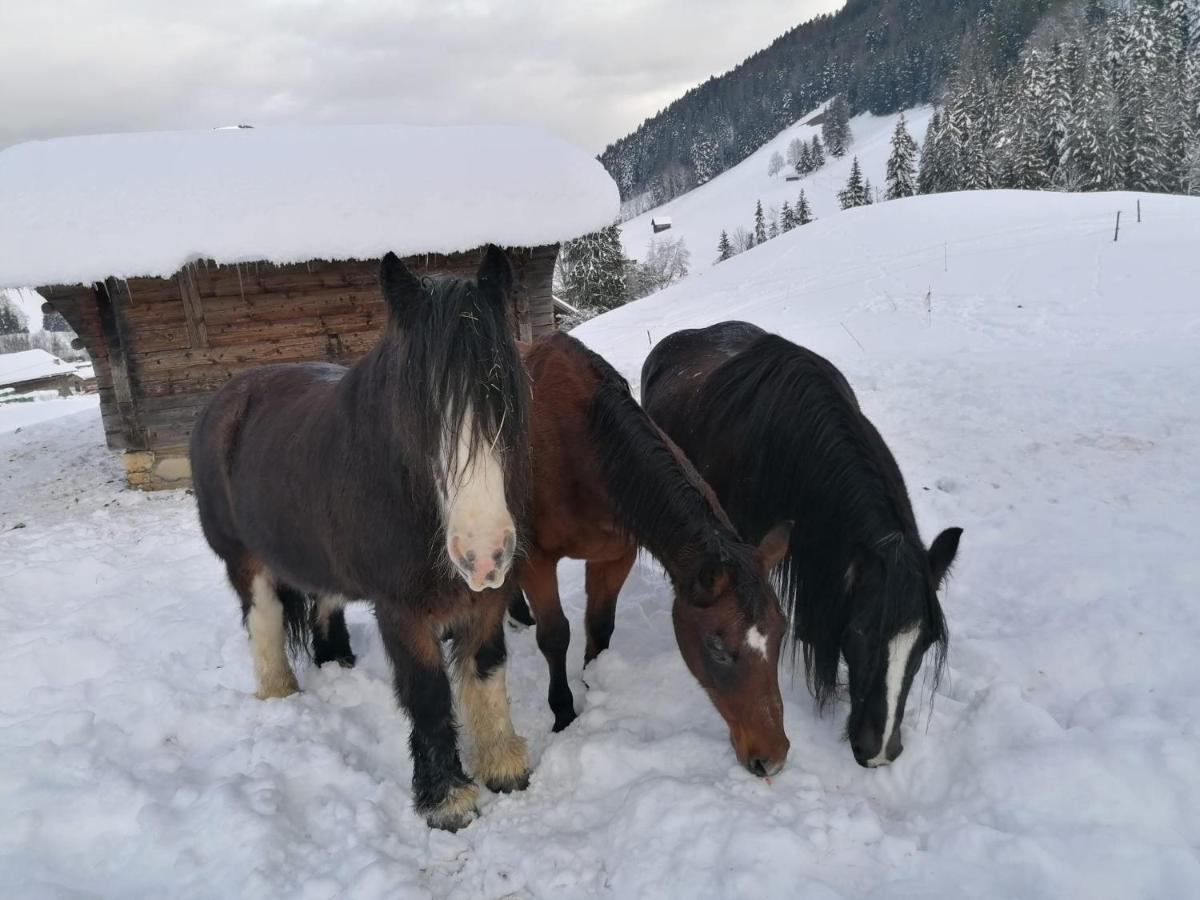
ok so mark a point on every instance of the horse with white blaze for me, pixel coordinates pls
(400, 481)
(777, 433)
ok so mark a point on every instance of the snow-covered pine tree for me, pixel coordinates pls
(794, 151)
(902, 163)
(54, 321)
(724, 248)
(706, 160)
(855, 192)
(803, 162)
(803, 213)
(592, 270)
(772, 222)
(787, 218)
(816, 153)
(774, 165)
(12, 320)
(835, 127)
(928, 179)
(1140, 87)
(760, 225)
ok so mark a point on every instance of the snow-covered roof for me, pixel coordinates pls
(661, 220)
(77, 210)
(29, 365)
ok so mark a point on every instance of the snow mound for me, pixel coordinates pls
(700, 215)
(80, 209)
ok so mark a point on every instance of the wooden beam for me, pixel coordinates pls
(108, 299)
(193, 310)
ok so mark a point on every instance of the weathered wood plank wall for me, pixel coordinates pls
(162, 346)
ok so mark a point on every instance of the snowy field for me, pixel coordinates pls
(1038, 385)
(700, 215)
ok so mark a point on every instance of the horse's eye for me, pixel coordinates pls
(718, 651)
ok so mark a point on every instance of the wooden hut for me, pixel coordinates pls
(183, 258)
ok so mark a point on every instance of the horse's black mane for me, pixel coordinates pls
(659, 498)
(817, 460)
(460, 358)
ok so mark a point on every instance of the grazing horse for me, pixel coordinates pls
(392, 481)
(777, 432)
(606, 481)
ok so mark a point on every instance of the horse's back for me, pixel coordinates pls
(689, 356)
(253, 419)
(572, 512)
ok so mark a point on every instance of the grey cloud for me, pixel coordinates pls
(589, 71)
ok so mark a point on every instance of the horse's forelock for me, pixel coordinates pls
(458, 363)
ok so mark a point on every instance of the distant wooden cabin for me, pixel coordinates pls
(164, 337)
(30, 371)
(660, 223)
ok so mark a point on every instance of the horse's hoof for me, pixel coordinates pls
(509, 784)
(457, 811)
(561, 722)
(278, 688)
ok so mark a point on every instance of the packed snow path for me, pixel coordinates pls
(1044, 399)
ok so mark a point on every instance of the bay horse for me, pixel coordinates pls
(400, 480)
(606, 481)
(778, 433)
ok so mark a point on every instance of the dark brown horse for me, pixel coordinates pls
(778, 433)
(388, 482)
(606, 481)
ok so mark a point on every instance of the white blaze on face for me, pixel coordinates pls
(756, 641)
(480, 534)
(900, 648)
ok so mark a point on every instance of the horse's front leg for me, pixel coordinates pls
(498, 755)
(604, 581)
(442, 792)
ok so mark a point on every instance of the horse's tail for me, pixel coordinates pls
(297, 612)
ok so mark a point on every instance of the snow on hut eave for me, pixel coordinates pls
(79, 210)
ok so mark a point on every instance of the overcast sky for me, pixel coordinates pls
(590, 71)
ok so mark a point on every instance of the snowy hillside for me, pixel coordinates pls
(1038, 385)
(728, 200)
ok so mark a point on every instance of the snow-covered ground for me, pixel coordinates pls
(40, 407)
(1038, 385)
(700, 215)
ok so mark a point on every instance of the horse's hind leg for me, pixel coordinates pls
(263, 613)
(498, 755)
(330, 638)
(603, 582)
(539, 578)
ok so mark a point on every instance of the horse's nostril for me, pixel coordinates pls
(758, 766)
(470, 558)
(498, 557)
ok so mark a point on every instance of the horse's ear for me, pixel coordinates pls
(773, 547)
(942, 552)
(712, 581)
(495, 274)
(400, 287)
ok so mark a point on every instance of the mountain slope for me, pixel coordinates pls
(884, 54)
(700, 215)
